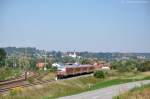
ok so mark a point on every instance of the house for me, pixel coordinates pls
(73, 55)
(41, 65)
(102, 65)
(56, 65)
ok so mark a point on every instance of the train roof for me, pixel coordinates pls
(74, 66)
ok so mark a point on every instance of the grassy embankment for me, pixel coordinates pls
(74, 86)
(142, 92)
(8, 73)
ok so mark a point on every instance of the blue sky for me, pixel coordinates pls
(81, 25)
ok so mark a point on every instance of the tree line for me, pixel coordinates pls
(131, 65)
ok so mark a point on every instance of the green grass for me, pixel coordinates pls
(110, 83)
(120, 79)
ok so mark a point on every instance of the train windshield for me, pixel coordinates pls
(62, 68)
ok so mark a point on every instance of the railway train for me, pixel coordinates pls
(76, 70)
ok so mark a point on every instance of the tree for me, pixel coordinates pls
(144, 66)
(68, 59)
(32, 64)
(125, 65)
(2, 56)
(100, 74)
(85, 61)
(24, 64)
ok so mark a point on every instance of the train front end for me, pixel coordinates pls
(61, 73)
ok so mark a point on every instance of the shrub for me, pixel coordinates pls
(16, 90)
(5, 73)
(100, 74)
(124, 65)
(145, 66)
(53, 69)
(30, 79)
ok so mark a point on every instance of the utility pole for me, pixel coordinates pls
(25, 60)
(6, 61)
(13, 60)
(45, 62)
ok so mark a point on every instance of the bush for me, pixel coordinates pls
(5, 73)
(30, 79)
(100, 74)
(16, 90)
(124, 65)
(145, 66)
(53, 69)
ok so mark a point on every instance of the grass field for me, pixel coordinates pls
(75, 85)
(136, 93)
(8, 73)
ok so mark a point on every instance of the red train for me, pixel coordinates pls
(75, 70)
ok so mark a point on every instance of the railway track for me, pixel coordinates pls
(1, 81)
(7, 85)
(11, 81)
(22, 84)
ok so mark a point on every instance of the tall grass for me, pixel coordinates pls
(142, 92)
(56, 89)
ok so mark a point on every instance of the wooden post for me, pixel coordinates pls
(25, 75)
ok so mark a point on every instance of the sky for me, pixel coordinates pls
(81, 25)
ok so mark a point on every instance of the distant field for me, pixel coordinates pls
(73, 86)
